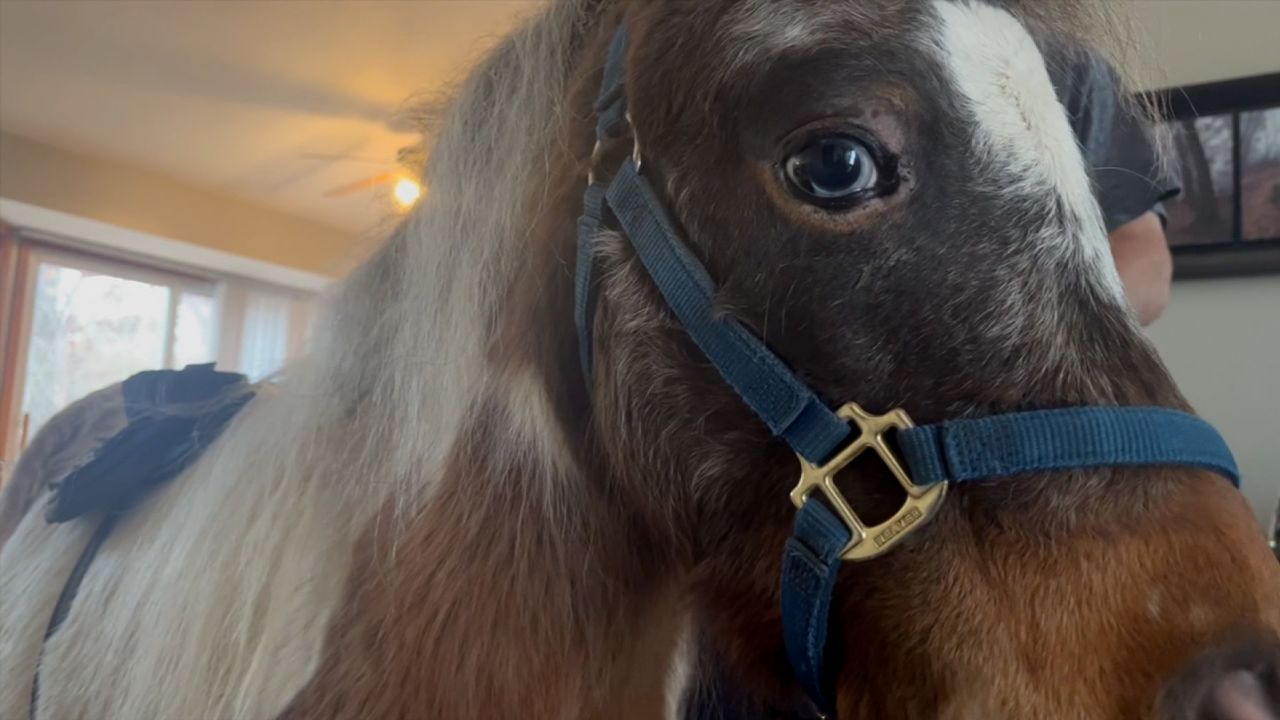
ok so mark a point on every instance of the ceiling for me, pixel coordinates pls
(280, 102)
(274, 102)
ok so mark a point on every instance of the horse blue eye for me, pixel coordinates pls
(831, 170)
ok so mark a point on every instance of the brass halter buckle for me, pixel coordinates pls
(922, 501)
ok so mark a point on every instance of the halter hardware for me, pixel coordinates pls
(636, 157)
(922, 503)
(597, 151)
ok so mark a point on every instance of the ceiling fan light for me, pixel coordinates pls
(406, 192)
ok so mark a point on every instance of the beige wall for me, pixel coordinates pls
(143, 200)
(1194, 41)
(1221, 338)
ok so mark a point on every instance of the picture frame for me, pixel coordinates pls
(1225, 138)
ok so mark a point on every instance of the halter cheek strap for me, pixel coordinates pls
(611, 121)
(932, 458)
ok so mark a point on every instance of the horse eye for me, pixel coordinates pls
(831, 171)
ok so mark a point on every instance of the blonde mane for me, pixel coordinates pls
(259, 533)
(403, 340)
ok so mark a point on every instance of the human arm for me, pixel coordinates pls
(1142, 258)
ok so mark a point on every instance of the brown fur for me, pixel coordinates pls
(1075, 595)
(1085, 622)
(573, 623)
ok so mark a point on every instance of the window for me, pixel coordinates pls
(262, 328)
(93, 323)
(1226, 144)
(80, 321)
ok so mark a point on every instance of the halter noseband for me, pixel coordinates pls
(932, 456)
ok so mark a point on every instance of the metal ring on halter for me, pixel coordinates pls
(596, 152)
(635, 143)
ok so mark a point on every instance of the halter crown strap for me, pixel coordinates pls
(611, 116)
(787, 406)
(791, 410)
(611, 103)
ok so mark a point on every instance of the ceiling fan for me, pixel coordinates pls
(404, 178)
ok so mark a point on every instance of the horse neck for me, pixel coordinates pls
(517, 589)
(524, 585)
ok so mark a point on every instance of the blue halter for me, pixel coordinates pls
(931, 457)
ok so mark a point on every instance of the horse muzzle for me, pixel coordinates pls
(1239, 680)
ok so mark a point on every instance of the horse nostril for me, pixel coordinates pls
(1242, 695)
(1237, 681)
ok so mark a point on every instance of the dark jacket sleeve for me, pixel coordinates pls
(1127, 175)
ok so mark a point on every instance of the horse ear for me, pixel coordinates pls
(1235, 682)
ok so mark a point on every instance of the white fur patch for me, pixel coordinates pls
(680, 672)
(1022, 132)
(533, 420)
(212, 600)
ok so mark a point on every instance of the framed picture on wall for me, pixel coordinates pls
(1225, 142)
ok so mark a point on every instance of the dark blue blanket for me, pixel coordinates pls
(173, 416)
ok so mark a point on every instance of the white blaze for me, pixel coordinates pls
(1021, 129)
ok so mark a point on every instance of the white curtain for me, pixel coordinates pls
(264, 335)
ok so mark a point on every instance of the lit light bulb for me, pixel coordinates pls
(406, 192)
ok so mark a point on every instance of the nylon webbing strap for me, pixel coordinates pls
(790, 409)
(67, 596)
(611, 114)
(584, 291)
(810, 565)
(1063, 439)
(611, 103)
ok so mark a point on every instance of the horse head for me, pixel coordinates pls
(890, 196)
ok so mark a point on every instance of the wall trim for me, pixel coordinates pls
(89, 233)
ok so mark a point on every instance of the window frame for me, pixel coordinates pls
(23, 249)
(1235, 256)
(32, 253)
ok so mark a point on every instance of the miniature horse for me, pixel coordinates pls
(437, 514)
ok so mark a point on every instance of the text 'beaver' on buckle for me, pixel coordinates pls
(922, 501)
